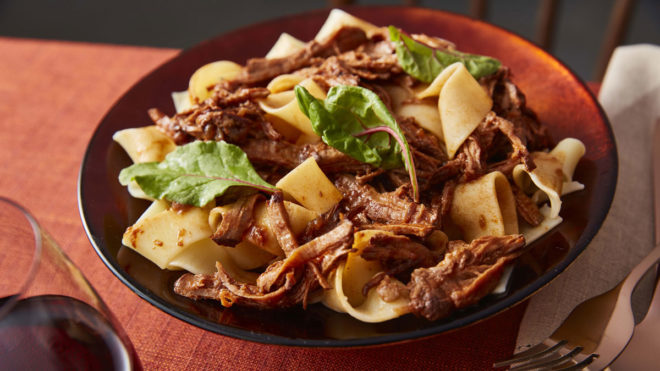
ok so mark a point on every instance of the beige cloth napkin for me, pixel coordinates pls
(630, 95)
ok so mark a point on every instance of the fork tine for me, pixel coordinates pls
(581, 365)
(548, 361)
(535, 352)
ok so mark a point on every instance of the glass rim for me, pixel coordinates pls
(36, 257)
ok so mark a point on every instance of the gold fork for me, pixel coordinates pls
(577, 342)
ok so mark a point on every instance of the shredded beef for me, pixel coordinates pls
(397, 254)
(526, 208)
(473, 165)
(222, 287)
(340, 238)
(279, 223)
(467, 273)
(272, 153)
(510, 103)
(286, 155)
(320, 225)
(262, 69)
(422, 140)
(331, 72)
(231, 124)
(507, 128)
(390, 289)
(223, 96)
(236, 222)
(389, 208)
(370, 61)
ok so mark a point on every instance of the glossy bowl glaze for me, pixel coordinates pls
(560, 99)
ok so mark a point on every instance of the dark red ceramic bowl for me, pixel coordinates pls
(560, 99)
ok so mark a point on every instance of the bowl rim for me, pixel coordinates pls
(514, 299)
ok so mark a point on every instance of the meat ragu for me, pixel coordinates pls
(412, 232)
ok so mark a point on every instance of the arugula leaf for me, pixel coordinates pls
(355, 121)
(196, 173)
(425, 63)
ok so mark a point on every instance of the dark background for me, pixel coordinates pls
(183, 23)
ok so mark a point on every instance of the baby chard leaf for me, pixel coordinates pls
(355, 121)
(425, 63)
(196, 173)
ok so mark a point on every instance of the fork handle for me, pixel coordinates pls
(620, 327)
(642, 351)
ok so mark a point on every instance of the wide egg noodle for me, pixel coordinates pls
(310, 187)
(569, 151)
(144, 144)
(208, 76)
(484, 207)
(284, 46)
(338, 19)
(284, 82)
(424, 111)
(181, 101)
(160, 236)
(348, 280)
(285, 106)
(462, 104)
(546, 178)
(201, 257)
(553, 176)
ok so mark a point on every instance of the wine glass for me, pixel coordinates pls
(51, 318)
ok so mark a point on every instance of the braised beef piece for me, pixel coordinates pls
(269, 153)
(224, 96)
(394, 207)
(321, 224)
(331, 160)
(447, 198)
(507, 128)
(467, 273)
(526, 208)
(231, 124)
(398, 255)
(332, 72)
(473, 160)
(338, 239)
(284, 283)
(261, 69)
(422, 140)
(494, 137)
(510, 103)
(325, 249)
(371, 60)
(222, 287)
(286, 155)
(279, 223)
(390, 289)
(236, 221)
(371, 66)
(448, 170)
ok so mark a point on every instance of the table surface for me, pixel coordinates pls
(52, 96)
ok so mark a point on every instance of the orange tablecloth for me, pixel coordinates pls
(52, 95)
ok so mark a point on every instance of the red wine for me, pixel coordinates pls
(53, 332)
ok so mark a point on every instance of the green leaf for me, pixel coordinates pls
(425, 63)
(355, 121)
(196, 173)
